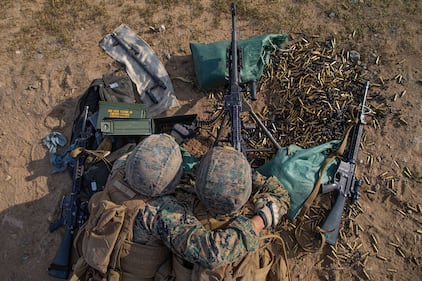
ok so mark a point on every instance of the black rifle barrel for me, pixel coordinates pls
(358, 132)
(234, 102)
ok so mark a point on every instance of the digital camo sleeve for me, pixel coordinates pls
(182, 233)
(273, 187)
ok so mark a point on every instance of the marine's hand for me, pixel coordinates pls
(268, 209)
(258, 223)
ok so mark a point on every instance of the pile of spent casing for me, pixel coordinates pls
(312, 93)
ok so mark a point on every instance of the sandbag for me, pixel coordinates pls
(297, 169)
(210, 59)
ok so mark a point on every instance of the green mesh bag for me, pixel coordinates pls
(298, 170)
(209, 60)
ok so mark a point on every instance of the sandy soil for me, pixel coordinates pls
(50, 54)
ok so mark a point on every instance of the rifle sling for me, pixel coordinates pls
(311, 198)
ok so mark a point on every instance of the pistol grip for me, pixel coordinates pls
(325, 188)
(55, 225)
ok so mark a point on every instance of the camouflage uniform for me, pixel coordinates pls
(226, 188)
(153, 221)
(165, 219)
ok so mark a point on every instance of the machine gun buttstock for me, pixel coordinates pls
(331, 226)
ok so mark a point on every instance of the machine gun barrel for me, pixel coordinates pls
(234, 64)
(233, 100)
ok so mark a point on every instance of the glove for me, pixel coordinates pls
(268, 210)
(182, 132)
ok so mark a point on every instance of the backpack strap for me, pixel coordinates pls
(279, 267)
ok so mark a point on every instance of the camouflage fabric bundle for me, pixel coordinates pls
(143, 67)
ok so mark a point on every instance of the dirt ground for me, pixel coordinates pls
(50, 54)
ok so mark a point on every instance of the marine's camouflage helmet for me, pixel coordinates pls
(154, 167)
(224, 181)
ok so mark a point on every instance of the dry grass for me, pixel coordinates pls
(60, 18)
(351, 22)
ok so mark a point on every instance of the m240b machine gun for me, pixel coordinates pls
(234, 102)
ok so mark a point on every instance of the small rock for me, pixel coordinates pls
(354, 56)
(34, 86)
(161, 28)
(51, 122)
(332, 15)
(68, 70)
(25, 257)
(8, 177)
